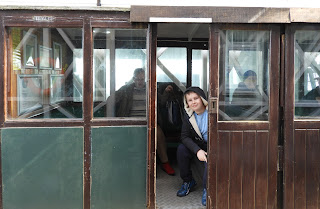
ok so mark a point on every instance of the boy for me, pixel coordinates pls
(194, 137)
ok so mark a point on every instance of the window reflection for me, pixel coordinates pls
(118, 91)
(200, 68)
(172, 65)
(244, 80)
(307, 71)
(130, 99)
(42, 74)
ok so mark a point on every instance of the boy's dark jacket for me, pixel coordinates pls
(190, 133)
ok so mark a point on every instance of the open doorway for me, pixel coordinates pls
(182, 61)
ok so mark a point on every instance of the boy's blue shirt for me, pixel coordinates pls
(202, 122)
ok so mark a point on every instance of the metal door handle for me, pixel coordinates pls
(213, 105)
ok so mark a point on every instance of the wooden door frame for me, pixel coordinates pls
(271, 125)
(290, 123)
(152, 115)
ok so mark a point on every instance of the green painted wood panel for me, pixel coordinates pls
(118, 167)
(42, 168)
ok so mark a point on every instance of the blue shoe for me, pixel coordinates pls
(204, 197)
(186, 188)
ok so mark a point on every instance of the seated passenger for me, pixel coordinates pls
(194, 137)
(246, 97)
(130, 101)
(311, 103)
(170, 109)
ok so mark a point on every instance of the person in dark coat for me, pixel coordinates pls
(130, 101)
(311, 103)
(246, 96)
(194, 137)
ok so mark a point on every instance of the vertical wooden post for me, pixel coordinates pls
(288, 190)
(2, 92)
(274, 75)
(213, 117)
(152, 117)
(87, 108)
(189, 66)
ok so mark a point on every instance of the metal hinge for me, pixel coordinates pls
(280, 158)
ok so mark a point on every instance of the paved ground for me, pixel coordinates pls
(167, 187)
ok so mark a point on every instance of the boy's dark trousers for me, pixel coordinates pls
(184, 157)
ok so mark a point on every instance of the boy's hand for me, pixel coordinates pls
(202, 155)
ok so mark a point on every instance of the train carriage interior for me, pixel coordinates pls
(182, 61)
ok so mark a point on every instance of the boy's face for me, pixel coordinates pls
(194, 102)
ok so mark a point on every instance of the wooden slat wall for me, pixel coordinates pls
(235, 174)
(299, 173)
(243, 169)
(261, 165)
(248, 191)
(312, 168)
(223, 169)
(306, 168)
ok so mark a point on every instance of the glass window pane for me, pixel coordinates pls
(200, 68)
(119, 63)
(244, 75)
(46, 73)
(172, 65)
(307, 71)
